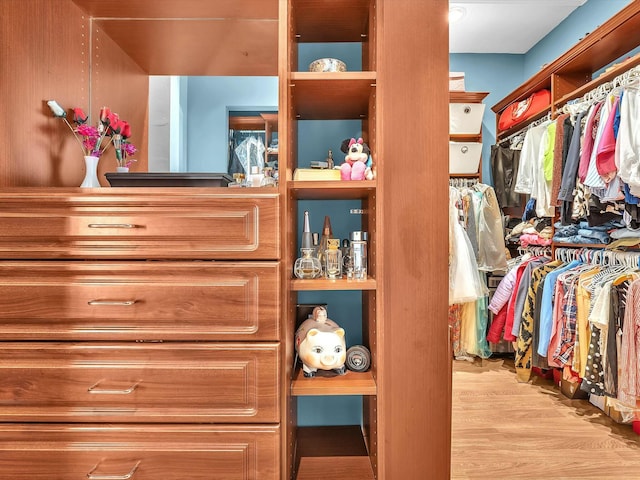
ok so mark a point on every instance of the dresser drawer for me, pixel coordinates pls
(151, 452)
(159, 300)
(139, 223)
(137, 382)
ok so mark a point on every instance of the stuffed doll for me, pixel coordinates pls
(357, 160)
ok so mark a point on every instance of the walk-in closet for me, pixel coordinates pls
(544, 327)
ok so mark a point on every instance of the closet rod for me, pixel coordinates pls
(524, 129)
(601, 91)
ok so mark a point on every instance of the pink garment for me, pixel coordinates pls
(629, 359)
(511, 306)
(533, 239)
(606, 152)
(503, 292)
(587, 143)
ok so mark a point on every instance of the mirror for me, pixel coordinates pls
(189, 119)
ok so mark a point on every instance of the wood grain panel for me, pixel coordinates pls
(121, 84)
(139, 301)
(267, 9)
(44, 56)
(318, 21)
(169, 452)
(335, 96)
(413, 363)
(235, 47)
(129, 382)
(139, 223)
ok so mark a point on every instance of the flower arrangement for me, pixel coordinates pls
(91, 138)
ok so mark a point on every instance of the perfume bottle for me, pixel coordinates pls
(326, 235)
(308, 265)
(358, 254)
(333, 259)
(307, 239)
(329, 160)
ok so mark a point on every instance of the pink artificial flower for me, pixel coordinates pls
(87, 130)
(112, 120)
(79, 116)
(130, 149)
(126, 129)
(104, 114)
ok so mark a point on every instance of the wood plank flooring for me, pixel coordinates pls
(502, 429)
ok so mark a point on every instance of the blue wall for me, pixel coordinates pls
(500, 74)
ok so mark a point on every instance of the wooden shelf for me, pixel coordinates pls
(332, 190)
(578, 245)
(521, 126)
(464, 175)
(331, 452)
(465, 137)
(332, 95)
(327, 383)
(467, 97)
(605, 77)
(331, 21)
(299, 285)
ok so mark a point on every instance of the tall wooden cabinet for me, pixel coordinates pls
(405, 398)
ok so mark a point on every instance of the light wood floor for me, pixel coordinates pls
(502, 429)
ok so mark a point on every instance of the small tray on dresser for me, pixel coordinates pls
(168, 179)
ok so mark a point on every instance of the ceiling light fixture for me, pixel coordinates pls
(456, 13)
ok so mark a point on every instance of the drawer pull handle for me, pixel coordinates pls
(111, 391)
(111, 302)
(125, 476)
(112, 225)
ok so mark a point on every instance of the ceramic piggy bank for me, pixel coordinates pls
(320, 344)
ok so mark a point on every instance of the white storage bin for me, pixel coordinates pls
(456, 81)
(465, 118)
(464, 157)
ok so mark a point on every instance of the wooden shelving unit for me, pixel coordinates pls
(467, 98)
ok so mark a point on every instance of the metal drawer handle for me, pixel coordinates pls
(464, 149)
(110, 391)
(112, 225)
(125, 476)
(111, 302)
(467, 109)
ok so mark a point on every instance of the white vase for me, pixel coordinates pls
(122, 169)
(91, 173)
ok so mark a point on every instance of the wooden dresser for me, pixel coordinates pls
(140, 334)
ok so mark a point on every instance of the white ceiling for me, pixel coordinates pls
(506, 26)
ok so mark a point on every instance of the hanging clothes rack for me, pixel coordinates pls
(597, 256)
(462, 182)
(600, 92)
(522, 132)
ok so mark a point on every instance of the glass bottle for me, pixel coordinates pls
(329, 160)
(333, 259)
(307, 266)
(358, 254)
(307, 239)
(326, 235)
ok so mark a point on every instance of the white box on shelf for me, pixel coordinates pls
(465, 118)
(464, 157)
(456, 81)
